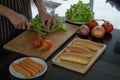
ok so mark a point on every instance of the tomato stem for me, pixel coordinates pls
(102, 20)
(99, 19)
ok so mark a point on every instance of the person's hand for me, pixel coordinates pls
(49, 21)
(19, 21)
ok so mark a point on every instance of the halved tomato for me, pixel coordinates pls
(47, 44)
(37, 41)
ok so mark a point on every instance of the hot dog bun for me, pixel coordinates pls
(86, 43)
(79, 49)
(75, 58)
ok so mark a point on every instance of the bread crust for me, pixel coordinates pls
(86, 43)
(75, 58)
(80, 50)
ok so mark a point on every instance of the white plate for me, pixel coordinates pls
(78, 23)
(19, 75)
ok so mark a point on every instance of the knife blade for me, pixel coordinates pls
(44, 31)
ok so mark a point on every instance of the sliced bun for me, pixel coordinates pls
(75, 58)
(79, 49)
(86, 43)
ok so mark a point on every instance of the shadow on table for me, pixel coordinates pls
(37, 78)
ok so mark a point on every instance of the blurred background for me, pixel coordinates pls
(108, 10)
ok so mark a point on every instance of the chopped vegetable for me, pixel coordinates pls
(61, 25)
(37, 24)
(80, 12)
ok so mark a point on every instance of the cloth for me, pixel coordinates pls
(7, 30)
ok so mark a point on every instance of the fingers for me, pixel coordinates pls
(23, 25)
(52, 23)
(44, 24)
(49, 24)
(55, 23)
(28, 25)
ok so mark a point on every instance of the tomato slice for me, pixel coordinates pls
(47, 44)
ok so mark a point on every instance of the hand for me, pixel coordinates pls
(18, 20)
(49, 21)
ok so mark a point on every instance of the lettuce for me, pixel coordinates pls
(37, 24)
(80, 12)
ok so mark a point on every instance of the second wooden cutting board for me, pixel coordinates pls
(24, 42)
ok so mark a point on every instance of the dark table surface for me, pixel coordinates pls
(107, 67)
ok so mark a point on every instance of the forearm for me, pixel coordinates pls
(40, 5)
(5, 11)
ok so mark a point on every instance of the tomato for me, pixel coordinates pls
(47, 44)
(92, 23)
(108, 27)
(98, 32)
(37, 41)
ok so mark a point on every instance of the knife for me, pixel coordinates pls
(44, 31)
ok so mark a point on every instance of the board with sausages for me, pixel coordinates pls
(79, 55)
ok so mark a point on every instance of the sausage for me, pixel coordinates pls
(32, 63)
(86, 43)
(21, 70)
(30, 66)
(37, 63)
(79, 49)
(27, 68)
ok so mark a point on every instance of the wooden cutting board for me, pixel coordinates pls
(24, 42)
(81, 68)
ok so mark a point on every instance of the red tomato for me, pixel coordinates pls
(37, 41)
(47, 44)
(92, 23)
(108, 27)
(98, 32)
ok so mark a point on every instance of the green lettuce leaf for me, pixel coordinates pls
(37, 24)
(80, 12)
